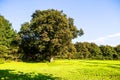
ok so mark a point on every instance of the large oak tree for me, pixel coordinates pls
(47, 34)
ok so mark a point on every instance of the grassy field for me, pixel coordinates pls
(61, 70)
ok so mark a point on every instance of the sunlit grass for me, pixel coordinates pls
(62, 69)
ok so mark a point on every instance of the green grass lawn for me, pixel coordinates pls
(61, 70)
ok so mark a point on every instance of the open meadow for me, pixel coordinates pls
(61, 70)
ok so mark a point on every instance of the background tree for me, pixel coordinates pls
(69, 51)
(117, 48)
(6, 37)
(92, 51)
(47, 34)
(108, 52)
(82, 50)
(95, 51)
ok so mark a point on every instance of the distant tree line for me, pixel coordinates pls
(47, 36)
(85, 50)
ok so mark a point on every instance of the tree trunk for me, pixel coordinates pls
(51, 59)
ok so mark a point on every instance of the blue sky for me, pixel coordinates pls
(100, 19)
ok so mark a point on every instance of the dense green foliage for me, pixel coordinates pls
(61, 70)
(117, 48)
(108, 52)
(48, 34)
(7, 35)
(87, 50)
(6, 32)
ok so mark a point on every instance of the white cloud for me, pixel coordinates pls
(114, 35)
(113, 39)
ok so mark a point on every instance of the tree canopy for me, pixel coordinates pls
(6, 32)
(108, 52)
(47, 34)
(6, 37)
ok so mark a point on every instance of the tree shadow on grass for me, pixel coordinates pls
(11, 75)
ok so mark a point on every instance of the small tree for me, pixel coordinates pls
(47, 34)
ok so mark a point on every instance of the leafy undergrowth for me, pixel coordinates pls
(61, 70)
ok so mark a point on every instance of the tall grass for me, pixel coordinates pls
(61, 70)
